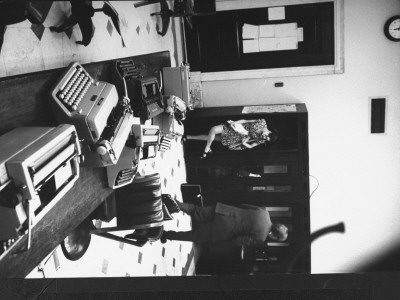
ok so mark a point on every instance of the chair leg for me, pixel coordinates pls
(68, 23)
(144, 2)
(2, 32)
(85, 25)
(165, 14)
(110, 236)
(87, 30)
(81, 14)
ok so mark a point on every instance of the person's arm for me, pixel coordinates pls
(246, 240)
(250, 145)
(241, 121)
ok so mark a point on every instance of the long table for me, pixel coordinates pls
(24, 102)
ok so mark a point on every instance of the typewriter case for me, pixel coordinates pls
(38, 165)
(46, 167)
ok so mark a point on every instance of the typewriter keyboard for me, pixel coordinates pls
(125, 176)
(127, 69)
(77, 83)
(6, 244)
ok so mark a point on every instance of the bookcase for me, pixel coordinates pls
(275, 176)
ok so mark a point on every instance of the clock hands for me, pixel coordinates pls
(392, 28)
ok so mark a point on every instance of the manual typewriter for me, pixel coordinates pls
(102, 121)
(38, 165)
(125, 170)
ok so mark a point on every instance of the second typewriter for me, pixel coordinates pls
(102, 121)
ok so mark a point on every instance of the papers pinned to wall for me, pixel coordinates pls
(250, 31)
(250, 46)
(271, 37)
(276, 13)
(277, 44)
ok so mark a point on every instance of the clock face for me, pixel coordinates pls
(392, 28)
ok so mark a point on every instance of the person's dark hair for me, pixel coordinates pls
(279, 232)
(273, 136)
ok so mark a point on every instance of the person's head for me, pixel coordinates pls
(269, 135)
(279, 232)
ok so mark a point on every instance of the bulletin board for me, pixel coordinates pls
(269, 39)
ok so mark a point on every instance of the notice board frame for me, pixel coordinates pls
(336, 68)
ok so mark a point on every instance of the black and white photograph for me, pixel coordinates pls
(205, 149)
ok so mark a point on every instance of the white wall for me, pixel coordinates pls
(358, 172)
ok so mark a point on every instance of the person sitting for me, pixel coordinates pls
(247, 225)
(237, 135)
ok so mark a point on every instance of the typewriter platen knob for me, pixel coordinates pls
(101, 150)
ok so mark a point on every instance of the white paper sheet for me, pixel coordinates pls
(267, 30)
(62, 175)
(276, 13)
(285, 30)
(277, 44)
(272, 37)
(250, 46)
(268, 44)
(288, 43)
(250, 31)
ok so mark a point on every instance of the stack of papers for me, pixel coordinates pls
(274, 37)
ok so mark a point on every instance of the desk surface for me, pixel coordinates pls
(25, 103)
(87, 193)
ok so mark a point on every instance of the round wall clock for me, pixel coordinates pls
(392, 28)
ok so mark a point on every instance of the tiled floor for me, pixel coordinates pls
(28, 49)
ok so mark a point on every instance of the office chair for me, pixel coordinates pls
(15, 12)
(82, 13)
(140, 206)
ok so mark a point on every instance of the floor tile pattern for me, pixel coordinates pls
(38, 30)
(30, 48)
